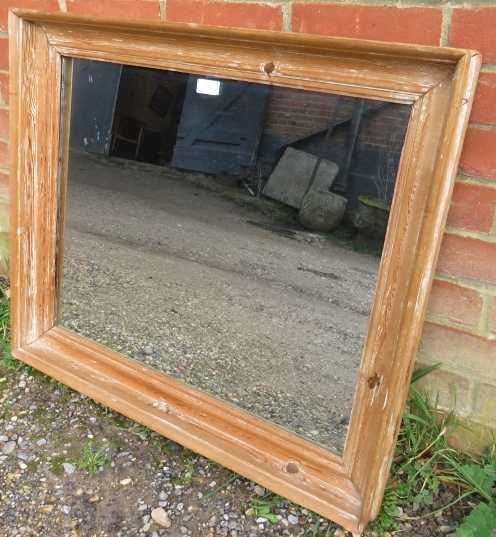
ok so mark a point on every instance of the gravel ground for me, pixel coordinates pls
(176, 277)
(147, 486)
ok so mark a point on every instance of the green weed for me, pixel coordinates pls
(141, 430)
(262, 507)
(92, 459)
(424, 460)
(8, 361)
(480, 480)
(4, 310)
(187, 476)
(219, 488)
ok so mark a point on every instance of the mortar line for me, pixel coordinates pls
(482, 126)
(482, 287)
(446, 26)
(475, 180)
(287, 12)
(469, 234)
(485, 314)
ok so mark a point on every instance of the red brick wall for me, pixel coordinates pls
(295, 113)
(461, 323)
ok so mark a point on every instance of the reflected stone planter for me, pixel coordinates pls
(321, 210)
(371, 217)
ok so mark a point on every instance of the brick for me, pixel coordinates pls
(453, 347)
(4, 53)
(4, 88)
(5, 5)
(472, 207)
(492, 319)
(4, 155)
(451, 390)
(485, 402)
(4, 217)
(475, 28)
(471, 436)
(134, 9)
(484, 107)
(241, 15)
(466, 257)
(4, 123)
(383, 23)
(455, 303)
(478, 155)
(4, 253)
(4, 185)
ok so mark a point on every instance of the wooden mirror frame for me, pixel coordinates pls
(437, 82)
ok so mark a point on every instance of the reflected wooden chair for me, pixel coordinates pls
(127, 130)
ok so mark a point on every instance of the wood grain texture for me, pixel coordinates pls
(34, 113)
(65, 130)
(338, 65)
(439, 83)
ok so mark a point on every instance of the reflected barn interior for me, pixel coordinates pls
(228, 234)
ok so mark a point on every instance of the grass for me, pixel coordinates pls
(8, 361)
(188, 462)
(4, 309)
(224, 485)
(92, 459)
(424, 462)
(262, 507)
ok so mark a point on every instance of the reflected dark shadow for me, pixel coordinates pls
(184, 249)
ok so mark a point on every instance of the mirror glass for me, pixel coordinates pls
(228, 234)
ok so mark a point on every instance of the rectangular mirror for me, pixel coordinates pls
(172, 252)
(165, 265)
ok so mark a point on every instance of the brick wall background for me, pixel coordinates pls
(460, 328)
(293, 113)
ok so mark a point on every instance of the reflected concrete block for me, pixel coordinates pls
(289, 180)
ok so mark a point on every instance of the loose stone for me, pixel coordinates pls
(160, 517)
(174, 446)
(8, 448)
(68, 468)
(259, 490)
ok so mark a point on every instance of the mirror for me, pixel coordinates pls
(52, 331)
(199, 266)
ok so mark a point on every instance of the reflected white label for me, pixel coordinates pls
(208, 87)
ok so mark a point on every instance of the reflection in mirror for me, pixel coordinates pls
(228, 234)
